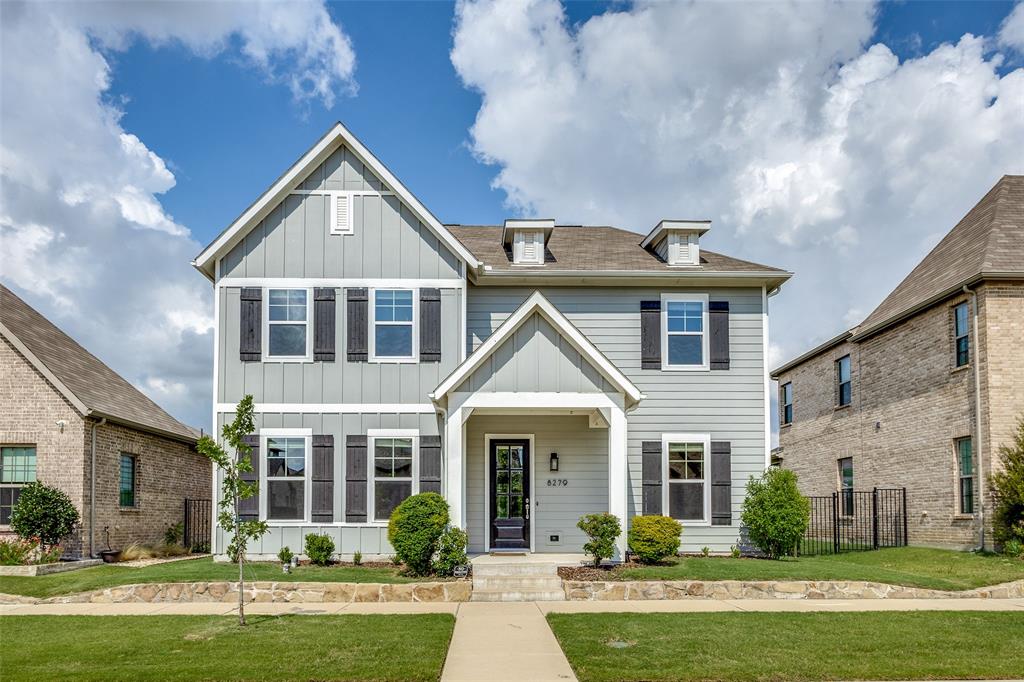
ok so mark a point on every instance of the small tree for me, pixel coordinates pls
(775, 513)
(44, 514)
(234, 488)
(602, 529)
(1008, 491)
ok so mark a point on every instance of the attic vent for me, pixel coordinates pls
(341, 213)
(528, 247)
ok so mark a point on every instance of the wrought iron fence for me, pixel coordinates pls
(852, 520)
(196, 532)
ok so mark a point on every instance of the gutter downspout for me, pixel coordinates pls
(977, 417)
(92, 490)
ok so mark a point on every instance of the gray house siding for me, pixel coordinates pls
(728, 404)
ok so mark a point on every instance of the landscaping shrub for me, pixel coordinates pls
(138, 550)
(775, 513)
(174, 533)
(44, 513)
(1014, 548)
(16, 552)
(319, 548)
(654, 538)
(602, 529)
(357, 558)
(451, 551)
(285, 555)
(1008, 491)
(415, 528)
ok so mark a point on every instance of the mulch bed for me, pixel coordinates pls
(589, 572)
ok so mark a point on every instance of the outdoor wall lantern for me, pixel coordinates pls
(554, 461)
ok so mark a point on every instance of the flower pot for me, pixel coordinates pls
(110, 556)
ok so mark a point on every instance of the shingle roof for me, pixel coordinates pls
(988, 241)
(591, 248)
(100, 389)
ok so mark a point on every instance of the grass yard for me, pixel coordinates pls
(792, 646)
(914, 566)
(404, 647)
(192, 570)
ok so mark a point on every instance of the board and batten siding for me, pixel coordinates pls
(583, 462)
(368, 538)
(728, 404)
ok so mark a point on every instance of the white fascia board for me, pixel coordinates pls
(337, 135)
(44, 370)
(538, 303)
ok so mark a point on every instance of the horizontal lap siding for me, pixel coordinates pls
(728, 404)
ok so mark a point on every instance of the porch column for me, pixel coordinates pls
(618, 467)
(454, 467)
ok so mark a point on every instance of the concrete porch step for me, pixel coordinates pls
(522, 595)
(514, 568)
(514, 583)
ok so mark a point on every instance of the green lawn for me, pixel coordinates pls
(406, 647)
(914, 566)
(792, 646)
(192, 570)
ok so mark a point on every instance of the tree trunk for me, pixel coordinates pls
(241, 578)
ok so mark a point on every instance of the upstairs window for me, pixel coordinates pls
(17, 468)
(965, 475)
(844, 383)
(787, 403)
(528, 247)
(128, 480)
(288, 324)
(393, 325)
(684, 337)
(961, 337)
(846, 485)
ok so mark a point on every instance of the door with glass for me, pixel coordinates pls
(510, 494)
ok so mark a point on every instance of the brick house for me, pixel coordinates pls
(923, 392)
(68, 420)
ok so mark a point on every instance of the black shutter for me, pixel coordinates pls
(430, 464)
(355, 479)
(718, 321)
(650, 335)
(249, 508)
(430, 325)
(651, 473)
(323, 324)
(721, 483)
(250, 325)
(357, 303)
(323, 479)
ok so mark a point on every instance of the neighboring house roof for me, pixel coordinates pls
(93, 388)
(538, 303)
(988, 243)
(335, 137)
(600, 249)
(817, 350)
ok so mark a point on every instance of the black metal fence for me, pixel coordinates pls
(852, 520)
(196, 532)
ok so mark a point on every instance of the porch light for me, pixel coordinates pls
(554, 461)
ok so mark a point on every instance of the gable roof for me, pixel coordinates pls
(335, 137)
(93, 388)
(538, 303)
(987, 243)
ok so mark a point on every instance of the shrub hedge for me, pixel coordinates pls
(775, 513)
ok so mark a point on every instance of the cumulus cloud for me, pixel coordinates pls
(808, 146)
(83, 234)
(1011, 32)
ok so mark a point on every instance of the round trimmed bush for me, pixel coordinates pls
(654, 538)
(775, 513)
(44, 513)
(319, 549)
(415, 527)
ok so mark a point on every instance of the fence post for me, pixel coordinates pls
(835, 523)
(185, 527)
(904, 517)
(874, 518)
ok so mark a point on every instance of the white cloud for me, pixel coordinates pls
(83, 234)
(1011, 32)
(807, 146)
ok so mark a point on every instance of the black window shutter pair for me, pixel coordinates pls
(357, 305)
(721, 480)
(357, 466)
(650, 334)
(250, 342)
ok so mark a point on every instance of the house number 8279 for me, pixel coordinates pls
(558, 482)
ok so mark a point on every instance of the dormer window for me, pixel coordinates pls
(527, 239)
(677, 242)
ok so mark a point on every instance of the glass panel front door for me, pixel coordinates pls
(510, 494)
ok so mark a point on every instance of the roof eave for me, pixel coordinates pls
(814, 352)
(146, 428)
(773, 279)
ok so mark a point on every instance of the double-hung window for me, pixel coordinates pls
(286, 479)
(684, 325)
(961, 336)
(288, 336)
(686, 490)
(128, 480)
(787, 403)
(393, 472)
(394, 325)
(965, 475)
(846, 485)
(844, 387)
(17, 468)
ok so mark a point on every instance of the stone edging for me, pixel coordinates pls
(581, 590)
(47, 569)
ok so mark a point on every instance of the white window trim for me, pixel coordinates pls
(688, 438)
(307, 498)
(415, 357)
(267, 357)
(703, 299)
(371, 436)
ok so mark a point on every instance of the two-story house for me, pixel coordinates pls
(923, 392)
(529, 372)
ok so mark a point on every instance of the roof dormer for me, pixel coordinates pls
(527, 238)
(677, 242)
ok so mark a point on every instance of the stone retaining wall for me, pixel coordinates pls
(578, 590)
(47, 569)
